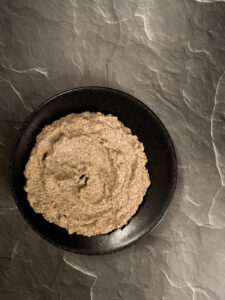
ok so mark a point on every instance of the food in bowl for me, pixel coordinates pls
(87, 173)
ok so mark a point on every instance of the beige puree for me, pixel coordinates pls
(86, 173)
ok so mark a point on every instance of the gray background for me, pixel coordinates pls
(171, 55)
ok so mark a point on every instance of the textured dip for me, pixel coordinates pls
(86, 173)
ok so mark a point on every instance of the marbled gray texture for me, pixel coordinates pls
(169, 54)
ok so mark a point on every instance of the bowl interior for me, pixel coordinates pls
(143, 123)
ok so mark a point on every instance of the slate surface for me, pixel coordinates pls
(171, 55)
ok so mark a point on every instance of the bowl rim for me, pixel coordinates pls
(164, 207)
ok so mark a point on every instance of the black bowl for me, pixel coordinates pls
(162, 165)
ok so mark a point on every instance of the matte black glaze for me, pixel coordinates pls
(151, 132)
